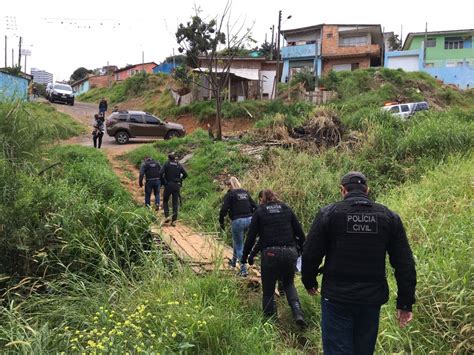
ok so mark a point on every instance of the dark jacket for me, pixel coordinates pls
(276, 225)
(172, 172)
(149, 169)
(103, 105)
(354, 236)
(237, 204)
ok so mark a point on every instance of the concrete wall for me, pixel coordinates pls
(303, 36)
(462, 77)
(13, 87)
(101, 81)
(81, 88)
(125, 74)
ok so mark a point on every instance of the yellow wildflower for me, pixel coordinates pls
(173, 335)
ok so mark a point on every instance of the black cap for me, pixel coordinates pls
(354, 177)
(171, 157)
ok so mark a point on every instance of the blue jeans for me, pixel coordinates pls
(349, 328)
(152, 186)
(239, 228)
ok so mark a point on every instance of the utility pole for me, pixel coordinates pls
(19, 54)
(273, 35)
(6, 41)
(174, 60)
(277, 79)
(13, 57)
(143, 62)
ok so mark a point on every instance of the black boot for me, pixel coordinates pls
(298, 314)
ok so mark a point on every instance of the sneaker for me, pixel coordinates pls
(232, 263)
(243, 272)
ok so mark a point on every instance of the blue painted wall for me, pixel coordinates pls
(463, 77)
(13, 87)
(82, 88)
(300, 53)
(165, 68)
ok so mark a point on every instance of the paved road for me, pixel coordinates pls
(84, 113)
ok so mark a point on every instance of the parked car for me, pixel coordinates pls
(61, 93)
(49, 87)
(406, 110)
(124, 125)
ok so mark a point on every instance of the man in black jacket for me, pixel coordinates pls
(172, 174)
(151, 170)
(280, 239)
(354, 235)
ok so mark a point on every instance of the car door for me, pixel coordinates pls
(154, 126)
(395, 110)
(137, 126)
(405, 111)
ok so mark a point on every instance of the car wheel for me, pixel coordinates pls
(122, 137)
(171, 134)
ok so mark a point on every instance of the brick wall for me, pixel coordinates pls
(101, 81)
(364, 62)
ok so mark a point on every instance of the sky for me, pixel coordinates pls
(63, 36)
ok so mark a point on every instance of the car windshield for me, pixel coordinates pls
(62, 87)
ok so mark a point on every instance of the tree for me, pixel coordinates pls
(394, 43)
(80, 73)
(268, 50)
(201, 39)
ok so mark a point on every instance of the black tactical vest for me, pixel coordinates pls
(173, 172)
(359, 235)
(152, 170)
(240, 204)
(275, 220)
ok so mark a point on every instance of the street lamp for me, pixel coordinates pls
(278, 52)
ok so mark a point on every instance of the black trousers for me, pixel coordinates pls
(171, 190)
(278, 263)
(97, 138)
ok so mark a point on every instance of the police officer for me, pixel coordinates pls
(238, 204)
(280, 238)
(151, 170)
(172, 174)
(354, 235)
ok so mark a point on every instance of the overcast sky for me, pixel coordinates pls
(63, 36)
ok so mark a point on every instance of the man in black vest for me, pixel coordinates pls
(354, 235)
(151, 170)
(172, 174)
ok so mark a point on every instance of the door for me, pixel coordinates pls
(405, 111)
(136, 125)
(154, 127)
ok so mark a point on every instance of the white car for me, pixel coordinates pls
(406, 110)
(62, 93)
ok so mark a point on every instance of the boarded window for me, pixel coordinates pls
(430, 43)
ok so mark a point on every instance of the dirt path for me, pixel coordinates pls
(203, 252)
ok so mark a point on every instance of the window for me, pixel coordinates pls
(430, 43)
(453, 43)
(353, 41)
(329, 35)
(122, 118)
(291, 44)
(394, 109)
(136, 118)
(354, 66)
(151, 120)
(405, 108)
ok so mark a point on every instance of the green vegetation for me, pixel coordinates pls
(150, 89)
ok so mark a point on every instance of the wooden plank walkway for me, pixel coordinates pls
(202, 252)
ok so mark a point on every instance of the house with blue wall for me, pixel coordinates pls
(445, 55)
(325, 47)
(81, 86)
(14, 87)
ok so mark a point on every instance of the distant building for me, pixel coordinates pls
(41, 76)
(322, 48)
(131, 70)
(446, 55)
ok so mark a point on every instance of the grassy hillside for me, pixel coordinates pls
(421, 168)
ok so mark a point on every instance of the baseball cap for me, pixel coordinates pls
(354, 177)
